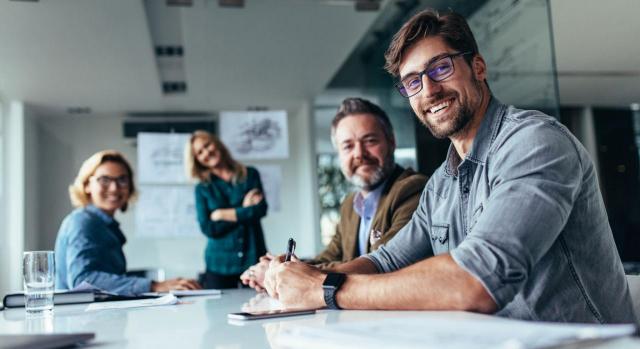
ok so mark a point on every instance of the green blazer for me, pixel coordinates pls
(232, 247)
(398, 201)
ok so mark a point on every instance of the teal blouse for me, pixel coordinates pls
(232, 247)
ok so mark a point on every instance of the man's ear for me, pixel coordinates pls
(479, 67)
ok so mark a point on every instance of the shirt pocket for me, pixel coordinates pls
(440, 238)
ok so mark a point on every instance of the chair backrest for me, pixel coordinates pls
(634, 289)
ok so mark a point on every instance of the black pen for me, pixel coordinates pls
(291, 248)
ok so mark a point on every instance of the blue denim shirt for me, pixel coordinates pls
(523, 214)
(89, 248)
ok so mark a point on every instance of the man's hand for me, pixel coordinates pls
(254, 276)
(295, 284)
(253, 197)
(175, 284)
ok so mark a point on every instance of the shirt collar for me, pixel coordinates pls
(368, 205)
(108, 220)
(487, 132)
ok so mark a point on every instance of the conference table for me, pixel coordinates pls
(201, 322)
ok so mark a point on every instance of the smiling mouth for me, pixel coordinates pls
(440, 107)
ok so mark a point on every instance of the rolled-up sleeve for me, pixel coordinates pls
(533, 187)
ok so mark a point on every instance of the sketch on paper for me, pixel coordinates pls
(160, 157)
(255, 135)
(271, 177)
(166, 211)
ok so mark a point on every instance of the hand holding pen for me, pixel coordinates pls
(291, 249)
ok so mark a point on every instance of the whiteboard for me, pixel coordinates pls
(166, 211)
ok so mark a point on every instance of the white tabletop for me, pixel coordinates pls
(199, 323)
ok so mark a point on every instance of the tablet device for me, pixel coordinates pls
(269, 314)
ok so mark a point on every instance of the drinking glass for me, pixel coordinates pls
(38, 270)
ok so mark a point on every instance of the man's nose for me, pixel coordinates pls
(429, 88)
(359, 150)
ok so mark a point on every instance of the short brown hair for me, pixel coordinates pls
(353, 106)
(194, 168)
(451, 27)
(77, 194)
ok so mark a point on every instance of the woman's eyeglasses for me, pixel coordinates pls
(121, 181)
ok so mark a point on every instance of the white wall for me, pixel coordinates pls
(19, 185)
(66, 141)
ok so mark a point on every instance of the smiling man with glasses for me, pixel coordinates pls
(512, 223)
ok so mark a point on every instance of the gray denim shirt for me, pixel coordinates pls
(523, 214)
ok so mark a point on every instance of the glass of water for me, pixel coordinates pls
(38, 270)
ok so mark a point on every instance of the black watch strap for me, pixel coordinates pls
(330, 287)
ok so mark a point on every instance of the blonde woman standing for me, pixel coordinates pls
(229, 206)
(89, 242)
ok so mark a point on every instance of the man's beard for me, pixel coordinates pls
(461, 117)
(379, 175)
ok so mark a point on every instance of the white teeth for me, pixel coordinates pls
(439, 107)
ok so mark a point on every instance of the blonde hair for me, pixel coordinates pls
(77, 194)
(195, 170)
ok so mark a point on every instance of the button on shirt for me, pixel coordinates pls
(366, 209)
(89, 248)
(523, 214)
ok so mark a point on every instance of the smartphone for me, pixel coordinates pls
(269, 314)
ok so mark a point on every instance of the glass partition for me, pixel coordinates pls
(515, 39)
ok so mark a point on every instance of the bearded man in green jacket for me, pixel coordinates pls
(387, 194)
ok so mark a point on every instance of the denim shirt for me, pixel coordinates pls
(89, 248)
(523, 214)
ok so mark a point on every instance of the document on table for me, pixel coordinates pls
(152, 302)
(187, 293)
(191, 293)
(440, 333)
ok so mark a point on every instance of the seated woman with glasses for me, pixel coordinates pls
(89, 243)
(229, 206)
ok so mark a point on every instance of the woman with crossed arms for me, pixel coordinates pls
(229, 206)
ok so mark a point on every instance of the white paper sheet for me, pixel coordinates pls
(153, 302)
(191, 293)
(161, 157)
(443, 333)
(255, 134)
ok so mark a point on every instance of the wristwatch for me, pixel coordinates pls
(330, 286)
